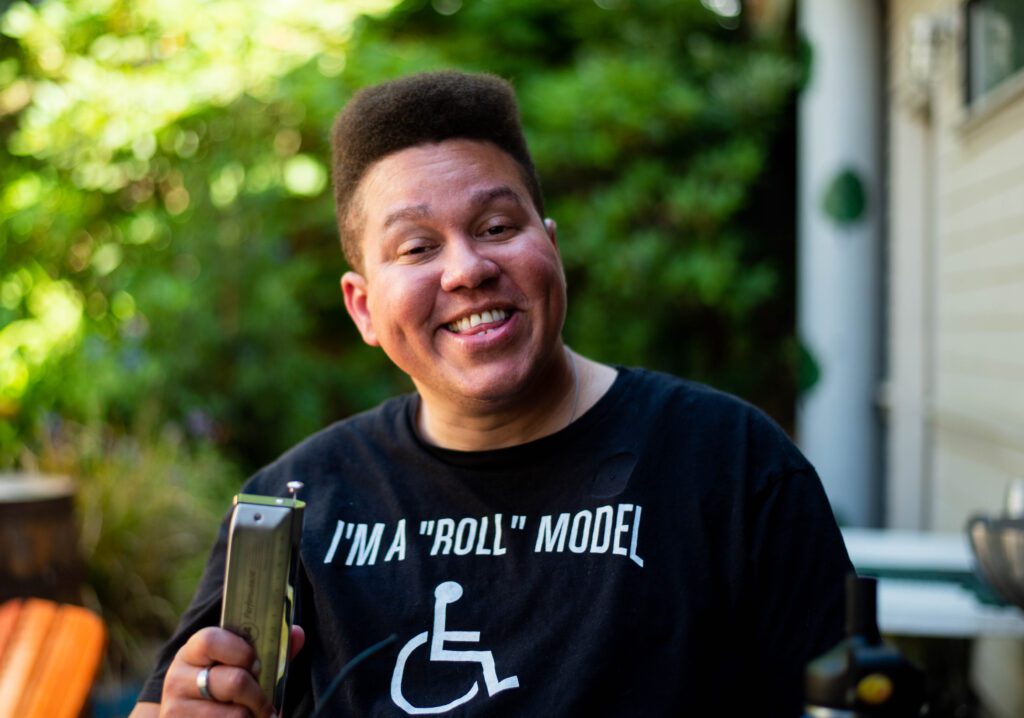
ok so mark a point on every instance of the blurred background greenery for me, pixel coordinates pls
(170, 317)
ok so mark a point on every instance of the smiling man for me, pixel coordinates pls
(545, 535)
(462, 286)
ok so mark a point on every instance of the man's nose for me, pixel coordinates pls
(465, 266)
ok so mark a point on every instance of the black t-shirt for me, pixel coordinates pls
(668, 553)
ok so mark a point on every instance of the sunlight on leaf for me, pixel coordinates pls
(304, 175)
(54, 316)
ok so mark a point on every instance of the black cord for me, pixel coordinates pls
(349, 667)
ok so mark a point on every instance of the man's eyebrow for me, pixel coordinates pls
(484, 196)
(479, 198)
(418, 211)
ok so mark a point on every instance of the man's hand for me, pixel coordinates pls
(232, 678)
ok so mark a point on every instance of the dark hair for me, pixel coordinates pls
(415, 110)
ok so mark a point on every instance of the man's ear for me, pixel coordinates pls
(353, 289)
(552, 227)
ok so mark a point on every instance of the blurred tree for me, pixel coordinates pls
(168, 247)
(168, 244)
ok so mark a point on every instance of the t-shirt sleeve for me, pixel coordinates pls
(204, 611)
(794, 597)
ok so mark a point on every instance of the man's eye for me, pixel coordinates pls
(496, 230)
(413, 250)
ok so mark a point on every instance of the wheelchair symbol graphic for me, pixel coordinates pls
(447, 593)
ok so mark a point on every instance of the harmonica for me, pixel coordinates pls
(259, 580)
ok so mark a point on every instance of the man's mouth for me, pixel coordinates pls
(467, 323)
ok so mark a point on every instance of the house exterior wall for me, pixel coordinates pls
(955, 383)
(979, 408)
(954, 387)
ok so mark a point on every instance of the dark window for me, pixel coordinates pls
(995, 44)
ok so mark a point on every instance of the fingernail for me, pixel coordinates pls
(256, 666)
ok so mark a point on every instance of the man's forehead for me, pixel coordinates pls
(502, 179)
(470, 171)
(480, 198)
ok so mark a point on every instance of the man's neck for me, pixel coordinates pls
(573, 385)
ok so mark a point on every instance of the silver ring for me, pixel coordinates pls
(203, 684)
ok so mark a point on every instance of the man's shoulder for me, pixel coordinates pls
(367, 433)
(717, 418)
(372, 424)
(682, 394)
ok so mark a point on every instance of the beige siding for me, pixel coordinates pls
(974, 351)
(979, 381)
(972, 469)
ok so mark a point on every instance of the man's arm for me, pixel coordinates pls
(232, 684)
(795, 597)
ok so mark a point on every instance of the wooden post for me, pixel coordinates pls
(38, 539)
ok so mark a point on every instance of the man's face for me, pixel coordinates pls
(462, 283)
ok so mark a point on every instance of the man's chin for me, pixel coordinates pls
(483, 389)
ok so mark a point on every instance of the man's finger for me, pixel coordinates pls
(206, 709)
(217, 645)
(298, 640)
(231, 684)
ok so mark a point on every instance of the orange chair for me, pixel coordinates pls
(49, 657)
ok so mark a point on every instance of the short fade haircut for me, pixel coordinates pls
(415, 110)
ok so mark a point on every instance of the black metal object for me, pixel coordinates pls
(862, 676)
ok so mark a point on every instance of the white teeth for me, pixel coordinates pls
(486, 317)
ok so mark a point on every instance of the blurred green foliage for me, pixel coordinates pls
(168, 240)
(168, 252)
(148, 511)
(165, 176)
